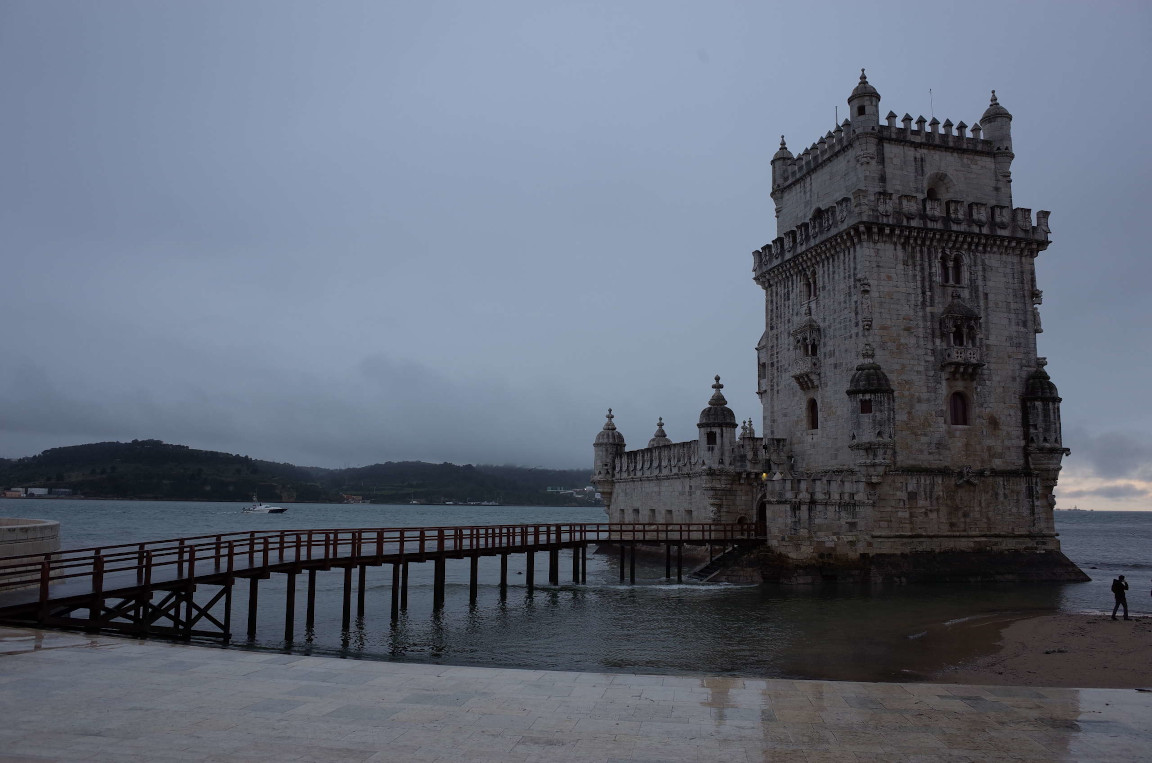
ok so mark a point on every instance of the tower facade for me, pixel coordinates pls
(903, 405)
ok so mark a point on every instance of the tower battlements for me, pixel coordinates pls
(883, 211)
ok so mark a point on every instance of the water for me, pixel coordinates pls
(846, 632)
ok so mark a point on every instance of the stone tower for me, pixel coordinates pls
(907, 420)
(899, 364)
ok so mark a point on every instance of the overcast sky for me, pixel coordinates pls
(342, 233)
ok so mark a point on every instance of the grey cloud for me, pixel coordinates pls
(1110, 454)
(353, 232)
(1118, 490)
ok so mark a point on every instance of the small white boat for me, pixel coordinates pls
(263, 508)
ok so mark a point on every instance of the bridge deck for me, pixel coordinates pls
(77, 577)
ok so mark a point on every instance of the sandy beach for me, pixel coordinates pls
(1074, 650)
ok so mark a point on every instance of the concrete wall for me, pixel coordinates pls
(26, 536)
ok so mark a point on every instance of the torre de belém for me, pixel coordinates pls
(910, 430)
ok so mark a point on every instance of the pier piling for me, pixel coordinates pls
(310, 609)
(290, 607)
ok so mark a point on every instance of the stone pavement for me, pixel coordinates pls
(76, 697)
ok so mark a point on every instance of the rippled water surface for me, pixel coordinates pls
(657, 625)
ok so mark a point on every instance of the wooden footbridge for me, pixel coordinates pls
(182, 588)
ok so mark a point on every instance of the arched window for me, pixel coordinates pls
(958, 336)
(957, 269)
(958, 410)
(809, 288)
(865, 406)
(945, 272)
(813, 414)
(933, 194)
(711, 438)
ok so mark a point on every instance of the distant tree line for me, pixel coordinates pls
(155, 470)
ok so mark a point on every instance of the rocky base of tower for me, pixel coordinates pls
(918, 567)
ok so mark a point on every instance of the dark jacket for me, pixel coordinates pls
(1119, 587)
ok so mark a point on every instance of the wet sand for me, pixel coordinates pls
(1074, 650)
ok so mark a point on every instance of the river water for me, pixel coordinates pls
(658, 626)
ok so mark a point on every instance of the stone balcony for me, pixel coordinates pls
(806, 372)
(962, 362)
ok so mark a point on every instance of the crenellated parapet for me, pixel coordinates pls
(658, 461)
(904, 210)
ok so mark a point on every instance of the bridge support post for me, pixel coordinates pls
(679, 562)
(632, 564)
(668, 561)
(228, 608)
(346, 615)
(503, 575)
(584, 563)
(404, 587)
(395, 591)
(438, 583)
(623, 561)
(360, 591)
(290, 607)
(253, 603)
(530, 570)
(310, 612)
(554, 566)
(576, 564)
(473, 578)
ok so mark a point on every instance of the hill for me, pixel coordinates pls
(155, 470)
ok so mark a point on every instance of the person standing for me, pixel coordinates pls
(1120, 589)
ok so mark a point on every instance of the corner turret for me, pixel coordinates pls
(608, 446)
(780, 161)
(717, 427)
(864, 105)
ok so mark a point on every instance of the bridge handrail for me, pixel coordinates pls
(263, 548)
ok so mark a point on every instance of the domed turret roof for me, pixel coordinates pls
(608, 435)
(659, 438)
(994, 111)
(869, 377)
(1040, 387)
(717, 413)
(782, 152)
(864, 89)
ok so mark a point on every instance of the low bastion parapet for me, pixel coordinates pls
(19, 537)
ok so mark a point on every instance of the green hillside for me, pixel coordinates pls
(151, 469)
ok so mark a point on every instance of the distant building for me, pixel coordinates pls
(904, 408)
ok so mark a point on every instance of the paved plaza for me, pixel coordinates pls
(94, 698)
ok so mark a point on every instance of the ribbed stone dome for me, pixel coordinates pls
(1040, 387)
(869, 377)
(660, 437)
(864, 88)
(994, 110)
(608, 435)
(717, 413)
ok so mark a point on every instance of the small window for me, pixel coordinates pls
(866, 406)
(763, 372)
(958, 336)
(813, 414)
(933, 194)
(711, 438)
(809, 289)
(945, 272)
(957, 269)
(860, 110)
(958, 410)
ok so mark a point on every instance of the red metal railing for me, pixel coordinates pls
(127, 564)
